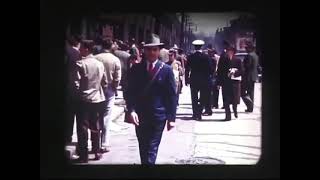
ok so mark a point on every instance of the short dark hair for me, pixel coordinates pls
(225, 44)
(88, 44)
(107, 43)
(73, 40)
(197, 47)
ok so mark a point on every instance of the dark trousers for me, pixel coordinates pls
(215, 95)
(205, 97)
(247, 94)
(149, 134)
(195, 89)
(228, 98)
(204, 100)
(178, 98)
(72, 111)
(89, 118)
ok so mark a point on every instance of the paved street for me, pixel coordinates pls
(208, 141)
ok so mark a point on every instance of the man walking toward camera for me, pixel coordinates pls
(151, 100)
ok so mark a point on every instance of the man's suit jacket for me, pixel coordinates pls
(159, 101)
(223, 69)
(73, 56)
(91, 80)
(201, 68)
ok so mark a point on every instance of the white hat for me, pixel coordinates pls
(153, 40)
(175, 47)
(198, 42)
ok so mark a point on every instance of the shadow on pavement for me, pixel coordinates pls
(244, 135)
(184, 114)
(184, 118)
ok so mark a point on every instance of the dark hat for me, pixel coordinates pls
(153, 40)
(87, 44)
(231, 48)
(226, 43)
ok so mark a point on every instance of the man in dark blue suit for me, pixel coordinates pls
(151, 100)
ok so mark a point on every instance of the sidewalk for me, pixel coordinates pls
(208, 141)
(233, 142)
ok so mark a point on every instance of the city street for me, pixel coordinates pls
(208, 141)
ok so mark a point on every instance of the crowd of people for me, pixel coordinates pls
(151, 77)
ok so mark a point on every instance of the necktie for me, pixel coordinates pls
(150, 69)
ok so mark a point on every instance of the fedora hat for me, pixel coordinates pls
(153, 40)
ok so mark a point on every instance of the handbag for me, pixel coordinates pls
(127, 113)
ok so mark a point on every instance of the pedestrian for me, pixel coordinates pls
(124, 60)
(134, 51)
(98, 46)
(73, 56)
(250, 63)
(91, 83)
(229, 77)
(151, 100)
(164, 54)
(112, 67)
(183, 60)
(200, 80)
(142, 50)
(177, 70)
(215, 91)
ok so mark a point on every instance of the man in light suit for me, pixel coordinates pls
(90, 83)
(151, 101)
(112, 68)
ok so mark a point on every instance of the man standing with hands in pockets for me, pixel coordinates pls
(151, 101)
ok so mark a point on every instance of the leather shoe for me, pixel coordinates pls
(207, 113)
(97, 156)
(81, 160)
(236, 114)
(104, 149)
(248, 110)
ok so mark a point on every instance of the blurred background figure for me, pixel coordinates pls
(164, 54)
(134, 51)
(91, 83)
(215, 91)
(250, 75)
(124, 61)
(229, 78)
(73, 56)
(112, 67)
(177, 70)
(200, 79)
